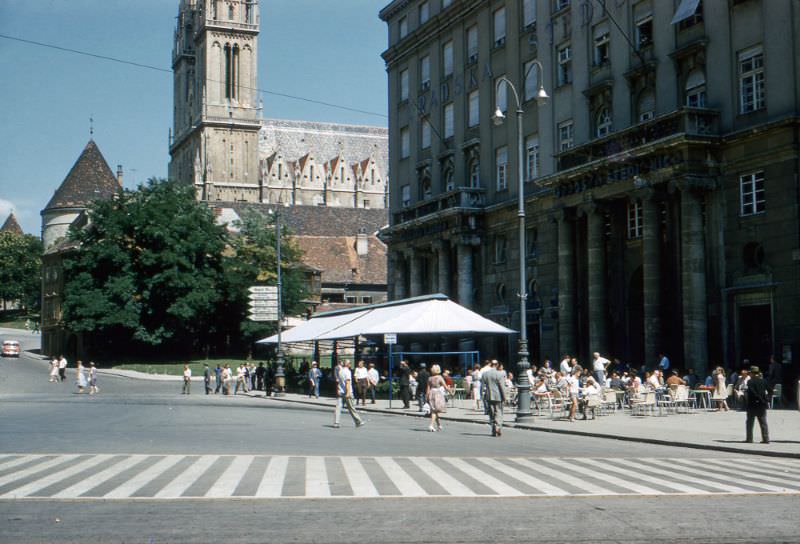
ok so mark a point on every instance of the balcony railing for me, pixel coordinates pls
(688, 121)
(460, 198)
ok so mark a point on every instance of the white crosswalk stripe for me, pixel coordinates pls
(142, 477)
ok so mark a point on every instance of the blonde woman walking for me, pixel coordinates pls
(54, 371)
(720, 389)
(435, 397)
(80, 377)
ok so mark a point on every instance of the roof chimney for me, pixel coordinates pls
(119, 174)
(362, 244)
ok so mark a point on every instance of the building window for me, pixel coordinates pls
(473, 116)
(531, 80)
(500, 247)
(644, 32)
(449, 120)
(405, 191)
(403, 27)
(425, 134)
(646, 107)
(424, 12)
(475, 173)
(634, 220)
(566, 135)
(231, 72)
(449, 183)
(472, 44)
(366, 205)
(604, 122)
(564, 64)
(501, 100)
(426, 188)
(425, 72)
(532, 157)
(696, 89)
(500, 27)
(560, 4)
(447, 59)
(405, 143)
(501, 168)
(531, 243)
(528, 13)
(751, 80)
(403, 84)
(695, 18)
(751, 194)
(602, 46)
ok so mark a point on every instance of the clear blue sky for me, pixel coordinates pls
(327, 50)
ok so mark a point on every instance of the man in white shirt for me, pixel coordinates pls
(591, 388)
(344, 393)
(564, 368)
(62, 368)
(374, 378)
(187, 380)
(599, 367)
(573, 386)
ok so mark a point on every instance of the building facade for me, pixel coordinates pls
(222, 145)
(660, 180)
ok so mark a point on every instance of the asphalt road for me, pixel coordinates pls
(325, 496)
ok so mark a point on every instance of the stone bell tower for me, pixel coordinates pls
(214, 140)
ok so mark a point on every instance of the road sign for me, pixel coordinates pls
(390, 338)
(256, 315)
(270, 304)
(264, 290)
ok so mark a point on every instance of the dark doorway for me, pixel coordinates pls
(755, 333)
(636, 355)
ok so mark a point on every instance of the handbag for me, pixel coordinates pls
(426, 409)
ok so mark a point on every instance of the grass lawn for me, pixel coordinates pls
(15, 320)
(176, 368)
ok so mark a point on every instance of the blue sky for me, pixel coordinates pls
(327, 50)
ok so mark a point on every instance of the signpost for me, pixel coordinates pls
(263, 302)
(390, 339)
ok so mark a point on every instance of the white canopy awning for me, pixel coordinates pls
(433, 314)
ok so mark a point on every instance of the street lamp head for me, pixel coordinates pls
(498, 116)
(541, 96)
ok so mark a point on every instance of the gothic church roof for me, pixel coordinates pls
(11, 225)
(89, 179)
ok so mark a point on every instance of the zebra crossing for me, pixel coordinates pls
(138, 476)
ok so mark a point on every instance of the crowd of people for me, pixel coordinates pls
(85, 378)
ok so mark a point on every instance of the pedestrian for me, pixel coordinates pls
(62, 367)
(93, 379)
(362, 383)
(227, 378)
(663, 363)
(494, 393)
(260, 376)
(253, 381)
(374, 378)
(240, 380)
(218, 378)
(573, 386)
(80, 377)
(314, 379)
(207, 378)
(344, 393)
(435, 395)
(476, 386)
(720, 394)
(599, 368)
(422, 383)
(187, 380)
(54, 371)
(757, 401)
(404, 380)
(35, 326)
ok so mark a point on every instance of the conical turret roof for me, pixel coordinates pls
(11, 225)
(89, 179)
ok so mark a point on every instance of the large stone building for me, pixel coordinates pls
(661, 178)
(221, 144)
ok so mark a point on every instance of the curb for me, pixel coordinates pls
(643, 440)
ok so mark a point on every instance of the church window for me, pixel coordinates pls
(231, 72)
(311, 174)
(248, 12)
(341, 174)
(280, 171)
(214, 9)
(230, 11)
(233, 160)
(372, 176)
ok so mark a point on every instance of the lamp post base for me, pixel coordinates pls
(523, 414)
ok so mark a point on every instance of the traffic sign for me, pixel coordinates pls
(390, 338)
(262, 316)
(264, 290)
(266, 304)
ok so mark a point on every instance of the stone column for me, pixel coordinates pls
(399, 277)
(596, 263)
(464, 250)
(442, 250)
(693, 281)
(651, 274)
(414, 273)
(566, 284)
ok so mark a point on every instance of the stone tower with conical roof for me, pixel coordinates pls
(11, 225)
(89, 179)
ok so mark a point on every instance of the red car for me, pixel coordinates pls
(11, 348)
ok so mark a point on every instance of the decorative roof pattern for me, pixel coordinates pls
(11, 225)
(339, 261)
(89, 179)
(320, 220)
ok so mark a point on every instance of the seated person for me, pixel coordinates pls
(591, 388)
(674, 379)
(615, 382)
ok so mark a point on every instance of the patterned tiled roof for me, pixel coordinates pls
(339, 261)
(11, 225)
(89, 179)
(324, 140)
(321, 220)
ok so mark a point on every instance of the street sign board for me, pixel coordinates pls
(256, 315)
(264, 290)
(390, 338)
(263, 304)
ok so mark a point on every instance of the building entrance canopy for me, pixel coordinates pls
(429, 315)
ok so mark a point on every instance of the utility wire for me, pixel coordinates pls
(160, 69)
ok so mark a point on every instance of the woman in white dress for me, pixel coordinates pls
(54, 371)
(476, 387)
(720, 394)
(80, 378)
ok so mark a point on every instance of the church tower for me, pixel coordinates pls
(214, 141)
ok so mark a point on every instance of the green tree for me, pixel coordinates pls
(20, 268)
(147, 270)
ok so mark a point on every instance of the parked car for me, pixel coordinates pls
(10, 348)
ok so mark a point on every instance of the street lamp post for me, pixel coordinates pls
(280, 376)
(523, 365)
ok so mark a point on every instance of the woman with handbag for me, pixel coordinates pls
(435, 396)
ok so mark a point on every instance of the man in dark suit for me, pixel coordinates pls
(404, 372)
(494, 393)
(422, 381)
(757, 400)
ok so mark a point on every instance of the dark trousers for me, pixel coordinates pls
(405, 396)
(62, 373)
(761, 415)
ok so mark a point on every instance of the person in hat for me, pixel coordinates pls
(756, 402)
